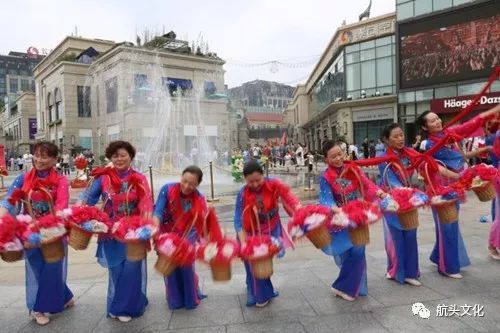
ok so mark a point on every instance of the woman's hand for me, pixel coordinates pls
(336, 210)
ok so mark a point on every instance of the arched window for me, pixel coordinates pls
(50, 106)
(58, 103)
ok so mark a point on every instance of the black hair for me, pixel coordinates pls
(47, 147)
(195, 171)
(114, 146)
(329, 144)
(251, 167)
(386, 132)
(421, 121)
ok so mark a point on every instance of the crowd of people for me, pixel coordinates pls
(181, 209)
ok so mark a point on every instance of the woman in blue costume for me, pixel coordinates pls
(261, 194)
(46, 289)
(336, 191)
(449, 252)
(400, 244)
(181, 209)
(124, 191)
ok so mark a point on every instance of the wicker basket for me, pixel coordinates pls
(136, 250)
(262, 268)
(447, 212)
(79, 239)
(164, 265)
(220, 271)
(485, 192)
(408, 219)
(11, 256)
(360, 236)
(53, 251)
(320, 236)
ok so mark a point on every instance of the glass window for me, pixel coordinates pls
(13, 71)
(383, 41)
(25, 85)
(442, 4)
(389, 90)
(406, 97)
(404, 10)
(352, 77)
(86, 142)
(140, 81)
(2, 71)
(422, 7)
(402, 1)
(460, 2)
(470, 89)
(2, 80)
(495, 86)
(83, 101)
(368, 74)
(424, 95)
(111, 95)
(351, 57)
(384, 71)
(445, 92)
(367, 45)
(367, 54)
(13, 85)
(352, 48)
(383, 51)
(422, 107)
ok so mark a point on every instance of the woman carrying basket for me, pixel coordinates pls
(182, 209)
(256, 214)
(494, 238)
(124, 192)
(449, 251)
(46, 289)
(338, 187)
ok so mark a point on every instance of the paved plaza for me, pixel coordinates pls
(303, 278)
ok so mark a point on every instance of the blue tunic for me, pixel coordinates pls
(127, 279)
(182, 285)
(449, 251)
(400, 244)
(46, 288)
(349, 258)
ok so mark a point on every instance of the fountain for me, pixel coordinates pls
(163, 107)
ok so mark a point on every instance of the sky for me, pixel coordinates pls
(245, 33)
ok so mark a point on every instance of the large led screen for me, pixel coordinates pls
(454, 46)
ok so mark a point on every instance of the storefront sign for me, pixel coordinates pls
(370, 115)
(456, 104)
(32, 128)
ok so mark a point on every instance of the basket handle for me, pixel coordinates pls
(358, 178)
(49, 196)
(400, 169)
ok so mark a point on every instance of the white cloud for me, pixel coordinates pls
(239, 31)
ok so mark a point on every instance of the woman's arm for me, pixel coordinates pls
(5, 206)
(447, 173)
(160, 204)
(469, 127)
(92, 194)
(238, 216)
(62, 194)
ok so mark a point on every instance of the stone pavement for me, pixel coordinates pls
(303, 278)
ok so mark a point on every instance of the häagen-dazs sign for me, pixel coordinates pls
(456, 104)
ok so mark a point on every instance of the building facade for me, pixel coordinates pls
(447, 50)
(19, 125)
(351, 93)
(158, 98)
(16, 74)
(59, 96)
(262, 104)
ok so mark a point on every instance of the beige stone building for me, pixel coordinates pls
(19, 125)
(157, 97)
(351, 93)
(59, 79)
